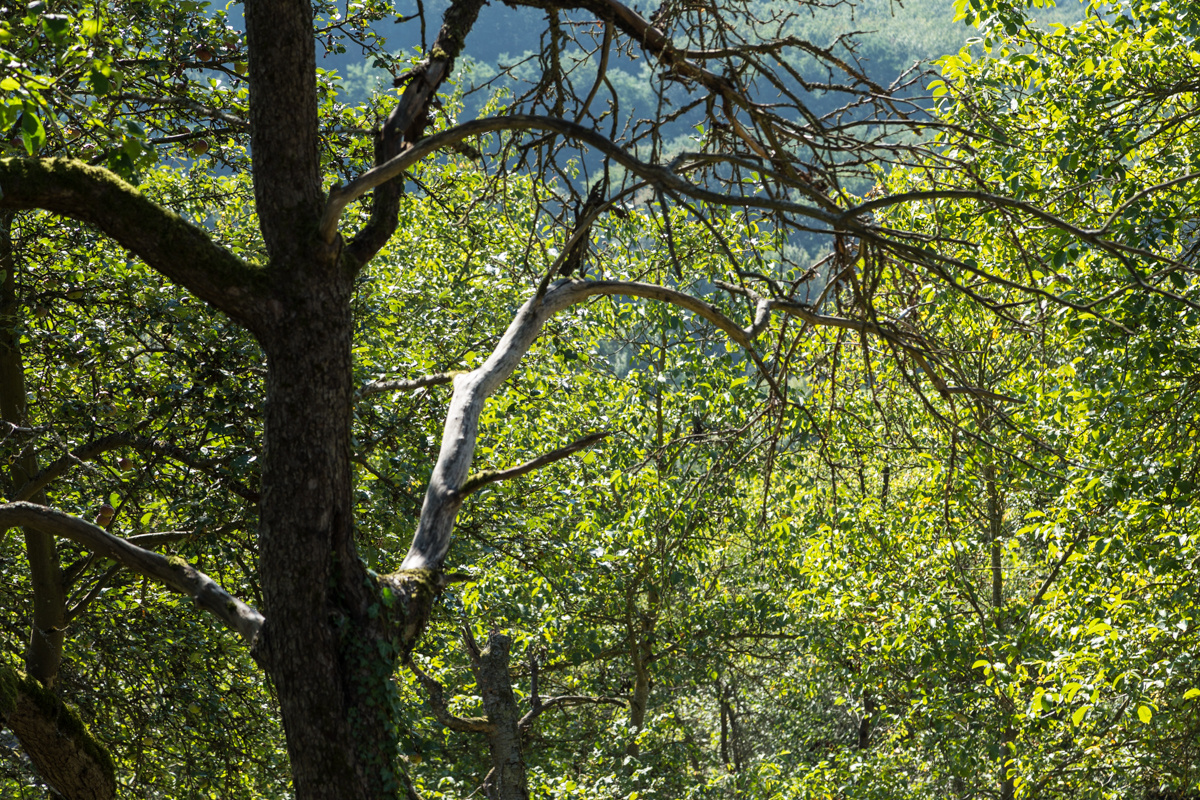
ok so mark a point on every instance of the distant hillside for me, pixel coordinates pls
(892, 37)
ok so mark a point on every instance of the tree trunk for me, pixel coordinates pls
(328, 642)
(640, 653)
(62, 750)
(506, 780)
(864, 723)
(331, 641)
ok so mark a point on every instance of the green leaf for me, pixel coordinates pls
(101, 85)
(56, 26)
(1145, 714)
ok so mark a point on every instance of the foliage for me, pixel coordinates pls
(945, 551)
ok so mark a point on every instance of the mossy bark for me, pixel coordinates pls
(56, 740)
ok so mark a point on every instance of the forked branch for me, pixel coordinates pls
(450, 482)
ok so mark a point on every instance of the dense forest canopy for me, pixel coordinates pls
(680, 401)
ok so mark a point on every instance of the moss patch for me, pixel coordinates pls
(9, 679)
(16, 686)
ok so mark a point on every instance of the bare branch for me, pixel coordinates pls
(188, 103)
(481, 479)
(173, 572)
(665, 176)
(566, 700)
(410, 385)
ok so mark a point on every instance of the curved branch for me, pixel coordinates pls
(173, 572)
(445, 495)
(1092, 236)
(665, 176)
(441, 711)
(168, 243)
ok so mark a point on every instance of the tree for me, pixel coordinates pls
(732, 140)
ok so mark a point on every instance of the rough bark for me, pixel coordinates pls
(332, 639)
(506, 780)
(56, 740)
(283, 125)
(313, 585)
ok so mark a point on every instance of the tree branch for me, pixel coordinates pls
(173, 572)
(481, 479)
(444, 494)
(92, 450)
(406, 124)
(566, 700)
(410, 385)
(441, 711)
(281, 53)
(165, 241)
(658, 175)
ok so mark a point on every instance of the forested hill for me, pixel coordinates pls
(890, 38)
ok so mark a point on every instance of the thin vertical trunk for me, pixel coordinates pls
(995, 516)
(735, 727)
(506, 780)
(641, 633)
(43, 653)
(864, 724)
(724, 726)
